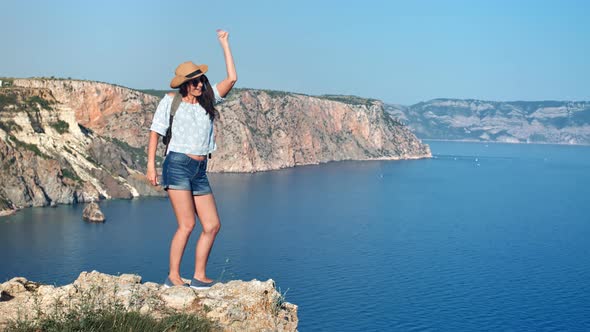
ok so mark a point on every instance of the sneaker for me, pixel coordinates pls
(168, 283)
(197, 284)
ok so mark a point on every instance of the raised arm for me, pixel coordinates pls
(227, 84)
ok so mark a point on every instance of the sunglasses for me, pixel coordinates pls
(196, 81)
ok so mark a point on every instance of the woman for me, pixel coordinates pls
(184, 169)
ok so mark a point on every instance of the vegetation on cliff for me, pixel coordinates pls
(114, 319)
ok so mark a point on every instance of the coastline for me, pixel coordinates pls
(10, 212)
(6, 213)
(409, 157)
(496, 142)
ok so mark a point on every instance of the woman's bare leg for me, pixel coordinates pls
(207, 213)
(184, 208)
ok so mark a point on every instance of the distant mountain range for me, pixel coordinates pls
(560, 122)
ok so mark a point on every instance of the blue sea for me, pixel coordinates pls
(480, 237)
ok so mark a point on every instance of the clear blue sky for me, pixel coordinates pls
(399, 52)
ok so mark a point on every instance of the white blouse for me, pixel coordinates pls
(192, 129)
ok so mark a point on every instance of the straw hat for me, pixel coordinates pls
(187, 71)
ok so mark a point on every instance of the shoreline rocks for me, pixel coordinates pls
(232, 306)
(92, 213)
(5, 213)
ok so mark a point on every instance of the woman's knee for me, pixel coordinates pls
(186, 227)
(212, 228)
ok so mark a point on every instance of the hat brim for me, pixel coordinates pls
(178, 80)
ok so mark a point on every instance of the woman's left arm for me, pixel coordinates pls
(227, 84)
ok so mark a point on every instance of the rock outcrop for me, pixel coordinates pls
(92, 213)
(559, 122)
(232, 306)
(88, 140)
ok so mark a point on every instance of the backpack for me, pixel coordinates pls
(176, 100)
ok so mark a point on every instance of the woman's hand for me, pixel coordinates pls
(223, 36)
(152, 175)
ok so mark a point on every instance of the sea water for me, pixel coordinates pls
(480, 237)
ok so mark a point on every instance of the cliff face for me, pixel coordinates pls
(513, 122)
(106, 109)
(47, 158)
(260, 130)
(88, 140)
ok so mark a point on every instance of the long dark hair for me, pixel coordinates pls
(207, 98)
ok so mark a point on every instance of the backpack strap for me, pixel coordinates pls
(176, 100)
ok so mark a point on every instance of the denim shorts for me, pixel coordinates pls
(182, 172)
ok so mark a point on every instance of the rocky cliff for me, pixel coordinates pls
(87, 140)
(560, 122)
(232, 306)
(47, 158)
(108, 110)
(265, 130)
